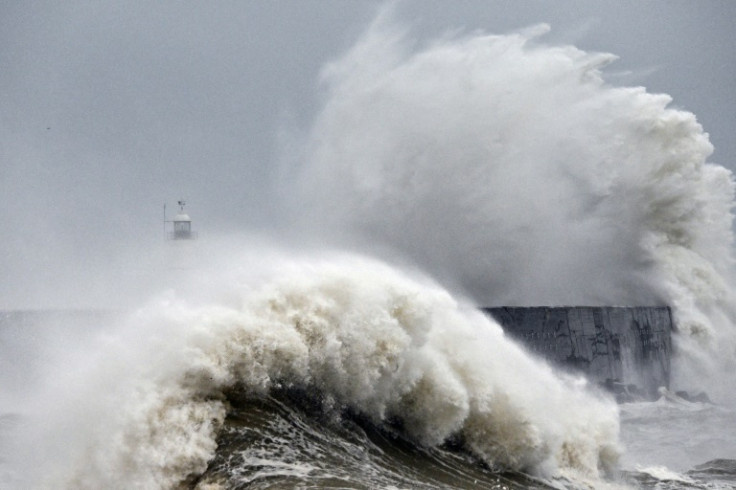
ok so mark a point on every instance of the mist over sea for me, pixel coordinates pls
(472, 170)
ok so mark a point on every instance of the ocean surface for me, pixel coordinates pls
(438, 177)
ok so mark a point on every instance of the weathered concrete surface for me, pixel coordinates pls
(626, 349)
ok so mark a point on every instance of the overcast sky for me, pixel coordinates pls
(109, 109)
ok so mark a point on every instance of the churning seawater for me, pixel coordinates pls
(506, 171)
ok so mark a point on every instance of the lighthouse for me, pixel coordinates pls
(182, 224)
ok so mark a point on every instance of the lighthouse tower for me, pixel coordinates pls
(183, 253)
(182, 225)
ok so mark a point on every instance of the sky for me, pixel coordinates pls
(108, 110)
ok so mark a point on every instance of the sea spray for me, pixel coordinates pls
(359, 335)
(512, 170)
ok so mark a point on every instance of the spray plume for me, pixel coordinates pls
(512, 171)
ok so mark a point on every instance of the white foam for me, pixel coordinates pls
(663, 473)
(144, 411)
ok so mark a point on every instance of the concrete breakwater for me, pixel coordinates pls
(625, 349)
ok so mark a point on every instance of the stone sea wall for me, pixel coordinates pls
(625, 349)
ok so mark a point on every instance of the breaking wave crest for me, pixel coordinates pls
(354, 333)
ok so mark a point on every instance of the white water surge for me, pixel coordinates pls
(143, 411)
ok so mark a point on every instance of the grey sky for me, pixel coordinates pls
(110, 109)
